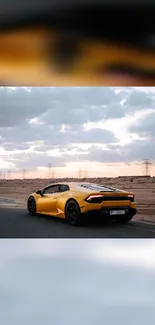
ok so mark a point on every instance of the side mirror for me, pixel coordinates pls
(39, 192)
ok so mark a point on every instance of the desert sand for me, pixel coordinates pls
(142, 187)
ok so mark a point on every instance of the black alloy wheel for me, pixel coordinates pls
(73, 213)
(31, 206)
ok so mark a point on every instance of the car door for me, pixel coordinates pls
(58, 191)
(46, 204)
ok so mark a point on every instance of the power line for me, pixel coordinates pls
(82, 173)
(147, 164)
(49, 170)
(51, 174)
(24, 173)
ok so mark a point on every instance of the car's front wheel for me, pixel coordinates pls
(31, 206)
(73, 213)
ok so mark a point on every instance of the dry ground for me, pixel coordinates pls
(144, 189)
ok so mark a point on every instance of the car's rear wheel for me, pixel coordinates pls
(31, 206)
(73, 213)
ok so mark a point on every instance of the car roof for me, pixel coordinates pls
(85, 187)
(91, 187)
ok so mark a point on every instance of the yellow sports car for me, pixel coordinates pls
(73, 201)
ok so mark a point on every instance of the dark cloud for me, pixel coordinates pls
(135, 151)
(9, 146)
(34, 160)
(140, 100)
(144, 126)
(19, 105)
(68, 105)
(58, 105)
(105, 156)
(52, 135)
(72, 106)
(140, 149)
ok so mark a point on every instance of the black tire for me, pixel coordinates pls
(73, 213)
(123, 219)
(31, 206)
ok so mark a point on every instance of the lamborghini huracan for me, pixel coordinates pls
(75, 201)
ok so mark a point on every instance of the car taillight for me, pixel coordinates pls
(96, 198)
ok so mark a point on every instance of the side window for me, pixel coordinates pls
(52, 189)
(64, 188)
(48, 190)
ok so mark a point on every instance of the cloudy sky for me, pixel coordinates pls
(57, 282)
(105, 129)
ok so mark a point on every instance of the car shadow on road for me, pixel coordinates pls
(88, 223)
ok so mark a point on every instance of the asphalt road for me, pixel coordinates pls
(17, 223)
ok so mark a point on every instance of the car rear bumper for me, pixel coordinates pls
(129, 211)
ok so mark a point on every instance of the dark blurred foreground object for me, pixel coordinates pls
(77, 42)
